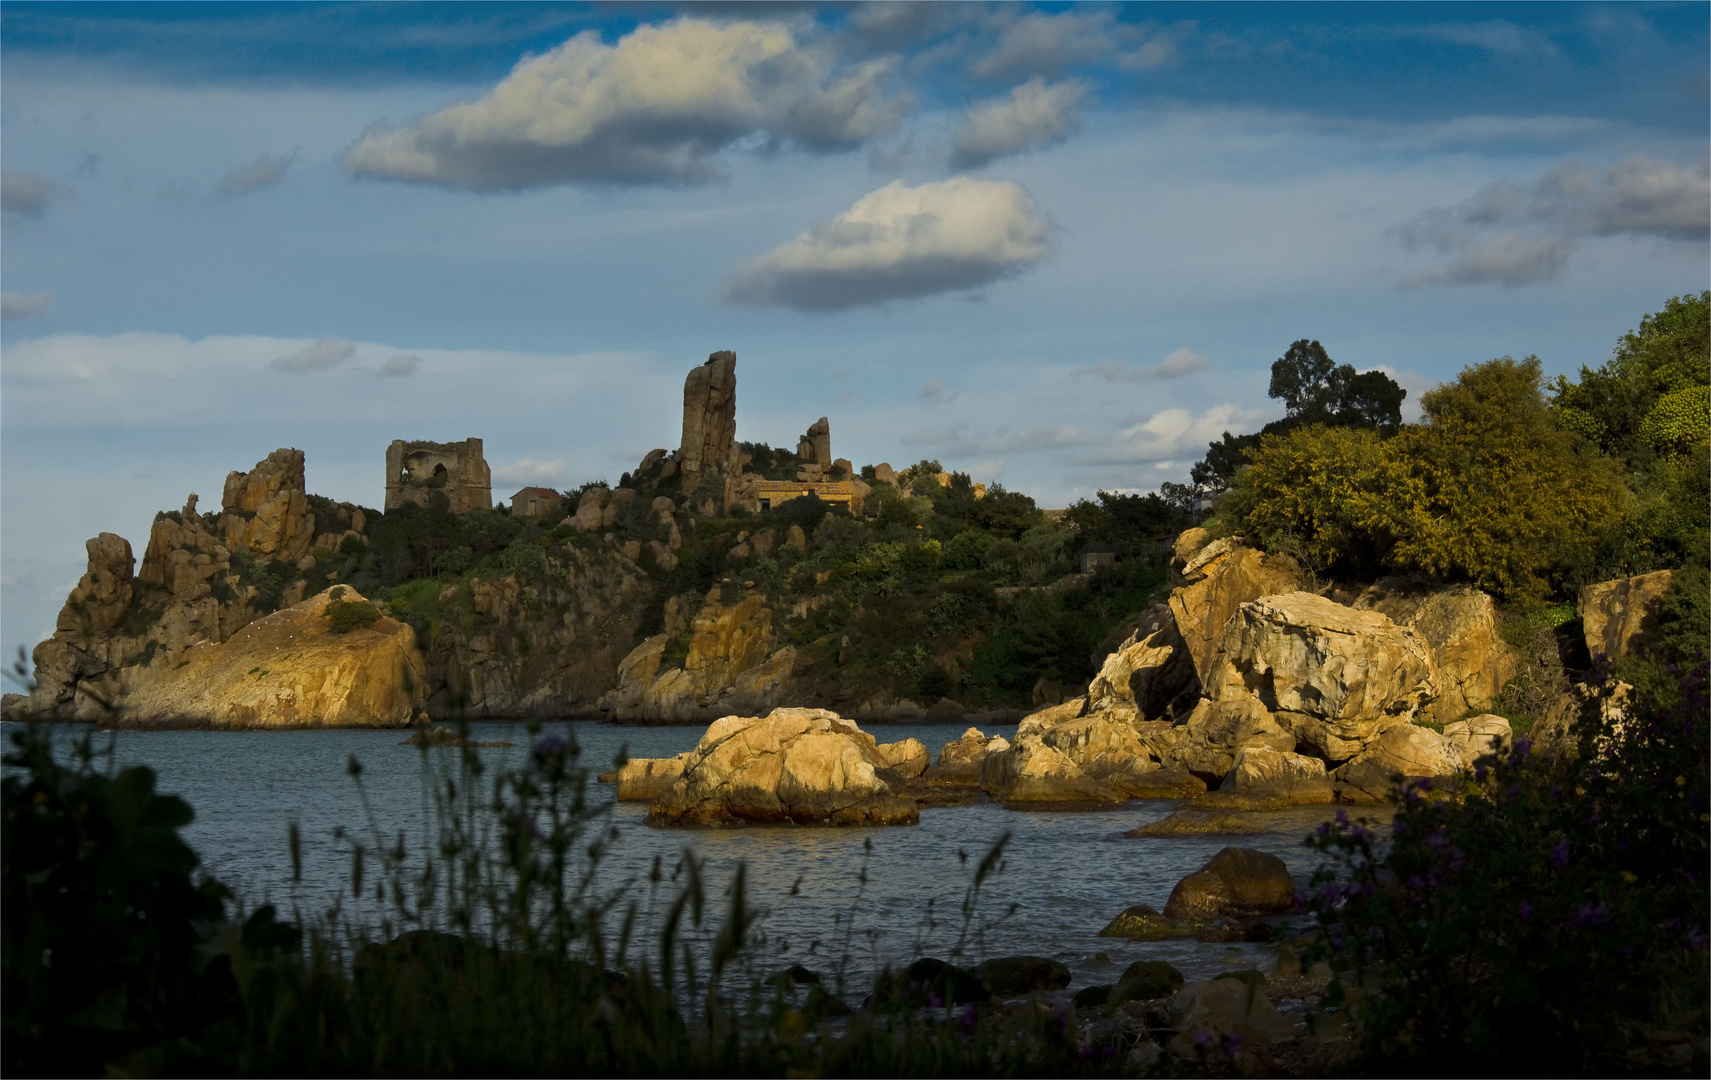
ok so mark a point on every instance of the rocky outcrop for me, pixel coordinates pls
(1471, 662)
(1276, 777)
(1479, 737)
(1620, 617)
(815, 447)
(1237, 882)
(266, 510)
(1150, 675)
(1402, 753)
(1219, 730)
(1334, 676)
(1217, 580)
(290, 669)
(731, 666)
(795, 766)
(1036, 775)
(550, 647)
(709, 418)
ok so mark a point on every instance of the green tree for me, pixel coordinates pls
(1652, 370)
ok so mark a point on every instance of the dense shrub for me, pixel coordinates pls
(1547, 917)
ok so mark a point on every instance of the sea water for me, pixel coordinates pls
(1063, 875)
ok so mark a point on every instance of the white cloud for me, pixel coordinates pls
(1175, 366)
(263, 172)
(530, 472)
(1175, 434)
(902, 242)
(404, 364)
(1491, 35)
(652, 109)
(1035, 114)
(18, 306)
(27, 194)
(323, 354)
(1511, 259)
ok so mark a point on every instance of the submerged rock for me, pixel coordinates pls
(793, 766)
(1236, 882)
(1012, 976)
(1143, 923)
(1192, 822)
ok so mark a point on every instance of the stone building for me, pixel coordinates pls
(415, 470)
(535, 501)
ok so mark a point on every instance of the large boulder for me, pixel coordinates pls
(293, 668)
(1217, 731)
(961, 762)
(1479, 737)
(1407, 752)
(908, 758)
(1274, 776)
(1334, 676)
(1034, 774)
(793, 766)
(1620, 617)
(1236, 882)
(1102, 747)
(1223, 576)
(1150, 675)
(644, 779)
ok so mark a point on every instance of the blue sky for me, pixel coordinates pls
(1057, 246)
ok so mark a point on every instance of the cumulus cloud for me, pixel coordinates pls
(405, 364)
(322, 355)
(1175, 434)
(263, 172)
(531, 472)
(652, 109)
(1639, 196)
(1511, 259)
(18, 306)
(1175, 366)
(902, 242)
(27, 194)
(1035, 114)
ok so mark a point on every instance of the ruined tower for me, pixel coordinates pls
(709, 418)
(415, 470)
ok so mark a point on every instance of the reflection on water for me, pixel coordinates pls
(1067, 874)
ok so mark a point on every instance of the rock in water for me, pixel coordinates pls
(794, 766)
(908, 758)
(643, 779)
(960, 763)
(1012, 976)
(1237, 882)
(291, 669)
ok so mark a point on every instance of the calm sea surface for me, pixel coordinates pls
(1067, 874)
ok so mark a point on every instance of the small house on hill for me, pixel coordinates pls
(1094, 556)
(535, 501)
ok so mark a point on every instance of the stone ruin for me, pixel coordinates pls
(415, 470)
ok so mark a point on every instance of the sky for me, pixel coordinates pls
(1055, 246)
